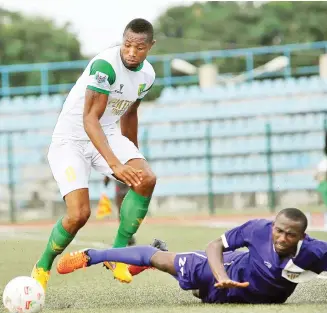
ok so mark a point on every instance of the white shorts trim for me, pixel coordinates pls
(224, 240)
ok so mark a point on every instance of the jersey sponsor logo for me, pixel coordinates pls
(100, 77)
(118, 106)
(121, 86)
(141, 89)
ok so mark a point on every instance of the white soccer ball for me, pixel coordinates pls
(23, 295)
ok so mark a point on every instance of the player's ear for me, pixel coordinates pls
(152, 43)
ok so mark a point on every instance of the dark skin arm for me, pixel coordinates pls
(129, 123)
(94, 107)
(214, 253)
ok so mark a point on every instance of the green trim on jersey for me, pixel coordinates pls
(138, 68)
(143, 91)
(148, 88)
(103, 66)
(106, 92)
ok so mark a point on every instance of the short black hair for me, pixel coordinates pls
(295, 215)
(140, 26)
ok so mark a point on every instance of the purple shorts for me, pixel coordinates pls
(193, 272)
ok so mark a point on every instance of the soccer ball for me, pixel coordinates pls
(23, 295)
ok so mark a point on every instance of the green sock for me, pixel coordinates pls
(132, 213)
(58, 241)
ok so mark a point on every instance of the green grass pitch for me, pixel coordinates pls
(94, 290)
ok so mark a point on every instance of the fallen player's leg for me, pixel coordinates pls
(137, 255)
(135, 270)
(190, 269)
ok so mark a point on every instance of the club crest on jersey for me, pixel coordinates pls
(141, 89)
(292, 275)
(100, 77)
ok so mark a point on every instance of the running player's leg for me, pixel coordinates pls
(70, 169)
(136, 202)
(121, 191)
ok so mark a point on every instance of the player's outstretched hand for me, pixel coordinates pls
(129, 175)
(231, 284)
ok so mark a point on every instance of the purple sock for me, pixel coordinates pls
(138, 255)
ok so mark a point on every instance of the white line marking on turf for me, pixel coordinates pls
(11, 234)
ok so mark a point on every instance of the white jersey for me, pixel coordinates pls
(106, 74)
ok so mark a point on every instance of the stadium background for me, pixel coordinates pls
(250, 145)
(223, 153)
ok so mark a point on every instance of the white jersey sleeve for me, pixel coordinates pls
(101, 76)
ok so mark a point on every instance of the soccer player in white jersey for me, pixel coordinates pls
(86, 136)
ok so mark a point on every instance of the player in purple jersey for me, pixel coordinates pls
(280, 255)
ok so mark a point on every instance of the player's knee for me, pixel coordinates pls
(159, 262)
(164, 261)
(147, 186)
(79, 216)
(149, 180)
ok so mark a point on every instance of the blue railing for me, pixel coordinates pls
(168, 79)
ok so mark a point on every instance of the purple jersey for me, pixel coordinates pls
(272, 280)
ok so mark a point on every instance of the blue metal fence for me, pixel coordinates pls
(167, 79)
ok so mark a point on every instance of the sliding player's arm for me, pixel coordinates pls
(214, 253)
(233, 239)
